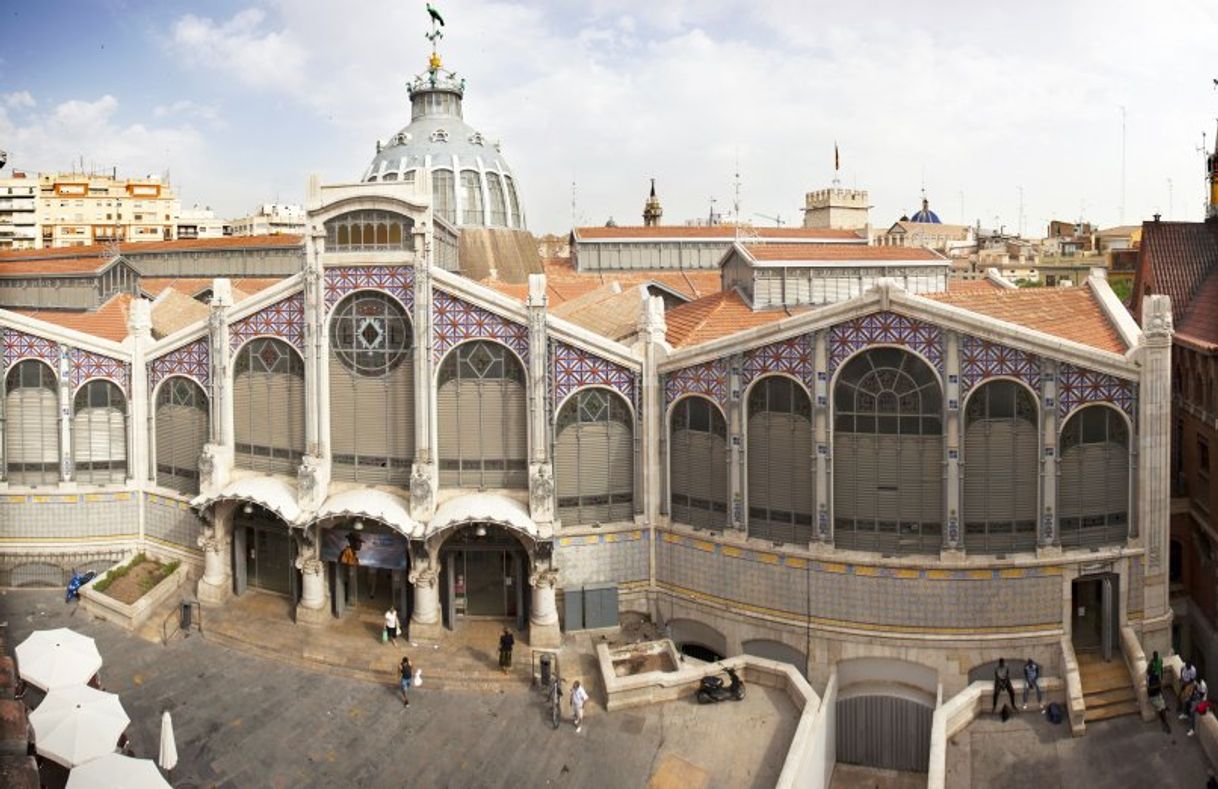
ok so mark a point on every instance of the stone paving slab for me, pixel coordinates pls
(246, 721)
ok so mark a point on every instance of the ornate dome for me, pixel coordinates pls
(926, 216)
(471, 183)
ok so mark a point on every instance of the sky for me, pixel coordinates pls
(1069, 109)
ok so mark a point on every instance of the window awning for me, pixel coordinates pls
(272, 493)
(482, 508)
(378, 505)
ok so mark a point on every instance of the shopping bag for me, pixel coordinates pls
(418, 677)
(384, 636)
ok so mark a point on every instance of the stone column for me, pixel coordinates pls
(313, 473)
(1154, 462)
(314, 605)
(736, 482)
(541, 471)
(216, 585)
(952, 538)
(426, 620)
(544, 632)
(651, 344)
(65, 414)
(139, 325)
(821, 433)
(424, 476)
(216, 461)
(1047, 537)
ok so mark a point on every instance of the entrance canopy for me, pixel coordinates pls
(272, 493)
(483, 508)
(378, 505)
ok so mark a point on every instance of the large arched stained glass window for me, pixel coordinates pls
(371, 390)
(697, 450)
(444, 195)
(268, 406)
(594, 458)
(483, 418)
(31, 424)
(888, 454)
(1001, 468)
(1093, 480)
(181, 432)
(369, 231)
(780, 461)
(99, 434)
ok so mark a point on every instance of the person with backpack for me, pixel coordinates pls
(1031, 679)
(1002, 681)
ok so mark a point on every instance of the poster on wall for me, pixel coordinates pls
(347, 546)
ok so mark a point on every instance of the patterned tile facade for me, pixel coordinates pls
(86, 365)
(794, 356)
(19, 345)
(708, 379)
(192, 360)
(885, 328)
(981, 359)
(397, 281)
(456, 321)
(1077, 386)
(283, 319)
(575, 368)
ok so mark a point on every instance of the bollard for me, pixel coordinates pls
(185, 615)
(546, 663)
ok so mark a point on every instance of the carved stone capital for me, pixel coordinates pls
(541, 487)
(425, 575)
(310, 480)
(544, 578)
(310, 565)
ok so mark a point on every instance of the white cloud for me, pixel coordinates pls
(18, 100)
(184, 109)
(242, 49)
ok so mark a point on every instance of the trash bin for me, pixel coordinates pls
(185, 615)
(547, 662)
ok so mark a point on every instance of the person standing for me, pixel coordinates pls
(406, 674)
(1031, 679)
(1200, 694)
(1188, 678)
(1154, 692)
(1002, 681)
(578, 697)
(392, 625)
(506, 642)
(1156, 666)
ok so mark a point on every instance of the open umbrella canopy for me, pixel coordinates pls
(75, 724)
(168, 756)
(115, 771)
(57, 658)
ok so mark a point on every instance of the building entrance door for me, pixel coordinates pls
(1095, 614)
(483, 577)
(269, 558)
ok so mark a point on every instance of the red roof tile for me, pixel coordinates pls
(109, 321)
(141, 247)
(713, 232)
(564, 283)
(716, 316)
(1180, 260)
(82, 265)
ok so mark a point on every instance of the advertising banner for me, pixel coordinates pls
(347, 546)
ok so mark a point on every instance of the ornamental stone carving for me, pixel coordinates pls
(420, 488)
(544, 578)
(541, 487)
(309, 478)
(425, 575)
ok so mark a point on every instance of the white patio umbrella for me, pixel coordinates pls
(76, 724)
(168, 757)
(57, 658)
(115, 771)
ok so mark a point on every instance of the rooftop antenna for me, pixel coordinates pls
(837, 165)
(1170, 200)
(1122, 164)
(710, 218)
(961, 193)
(736, 200)
(1020, 188)
(573, 222)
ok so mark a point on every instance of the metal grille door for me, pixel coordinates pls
(886, 732)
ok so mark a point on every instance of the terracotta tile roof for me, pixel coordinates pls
(66, 266)
(814, 253)
(140, 247)
(564, 283)
(192, 286)
(714, 232)
(176, 310)
(1180, 260)
(973, 286)
(1068, 313)
(109, 321)
(611, 311)
(717, 316)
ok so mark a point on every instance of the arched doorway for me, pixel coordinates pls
(264, 552)
(367, 562)
(484, 570)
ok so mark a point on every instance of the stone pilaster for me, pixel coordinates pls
(1154, 450)
(544, 631)
(314, 606)
(313, 474)
(952, 534)
(1047, 531)
(65, 414)
(216, 585)
(424, 475)
(216, 461)
(139, 326)
(736, 480)
(426, 620)
(541, 471)
(650, 343)
(820, 433)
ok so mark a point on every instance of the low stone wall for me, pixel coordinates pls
(131, 616)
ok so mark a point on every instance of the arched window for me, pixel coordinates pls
(268, 406)
(371, 390)
(1093, 480)
(99, 433)
(482, 415)
(888, 454)
(494, 188)
(1001, 469)
(594, 458)
(780, 461)
(181, 432)
(443, 195)
(697, 459)
(369, 231)
(471, 198)
(513, 202)
(31, 424)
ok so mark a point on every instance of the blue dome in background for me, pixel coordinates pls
(926, 216)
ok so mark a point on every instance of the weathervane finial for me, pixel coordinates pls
(436, 33)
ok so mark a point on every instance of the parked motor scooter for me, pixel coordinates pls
(78, 580)
(712, 691)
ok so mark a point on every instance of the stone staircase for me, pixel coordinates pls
(1108, 691)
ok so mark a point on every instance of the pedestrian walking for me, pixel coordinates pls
(1002, 681)
(506, 642)
(406, 672)
(578, 697)
(1154, 692)
(392, 625)
(1031, 679)
(1188, 680)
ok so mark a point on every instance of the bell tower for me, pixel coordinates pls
(651, 209)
